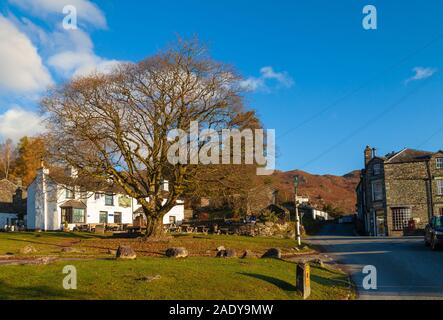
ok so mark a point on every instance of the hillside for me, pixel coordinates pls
(336, 191)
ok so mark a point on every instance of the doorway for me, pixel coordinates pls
(381, 224)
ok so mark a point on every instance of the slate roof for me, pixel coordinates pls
(409, 155)
(76, 204)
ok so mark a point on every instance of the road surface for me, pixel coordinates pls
(406, 269)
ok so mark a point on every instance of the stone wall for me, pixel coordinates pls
(268, 229)
(436, 174)
(406, 185)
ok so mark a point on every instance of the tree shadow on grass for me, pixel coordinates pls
(283, 285)
(37, 242)
(42, 292)
(329, 282)
(71, 235)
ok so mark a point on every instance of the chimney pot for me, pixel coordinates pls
(368, 155)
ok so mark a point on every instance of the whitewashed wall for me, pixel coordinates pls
(31, 205)
(45, 198)
(36, 203)
(97, 205)
(178, 211)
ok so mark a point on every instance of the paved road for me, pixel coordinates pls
(406, 269)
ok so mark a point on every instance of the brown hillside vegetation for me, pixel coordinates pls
(335, 191)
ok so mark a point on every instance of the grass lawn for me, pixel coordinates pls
(191, 278)
(200, 276)
(51, 243)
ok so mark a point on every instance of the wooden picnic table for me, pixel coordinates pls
(224, 230)
(186, 228)
(202, 229)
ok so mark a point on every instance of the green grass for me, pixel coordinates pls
(201, 276)
(191, 278)
(51, 243)
(46, 243)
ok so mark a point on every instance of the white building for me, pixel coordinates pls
(50, 205)
(302, 200)
(319, 215)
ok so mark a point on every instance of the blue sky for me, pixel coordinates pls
(322, 66)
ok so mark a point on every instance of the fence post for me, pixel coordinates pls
(303, 277)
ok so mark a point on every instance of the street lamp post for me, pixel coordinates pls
(297, 217)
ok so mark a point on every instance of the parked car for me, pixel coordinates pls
(346, 219)
(251, 219)
(434, 233)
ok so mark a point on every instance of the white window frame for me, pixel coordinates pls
(440, 187)
(379, 195)
(102, 213)
(400, 218)
(110, 196)
(69, 193)
(439, 163)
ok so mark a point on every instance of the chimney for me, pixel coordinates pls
(368, 155)
(374, 152)
(165, 185)
(42, 168)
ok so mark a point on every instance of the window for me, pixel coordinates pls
(97, 196)
(103, 217)
(376, 169)
(78, 215)
(439, 163)
(118, 217)
(440, 187)
(440, 211)
(109, 199)
(377, 191)
(172, 219)
(400, 218)
(73, 215)
(70, 194)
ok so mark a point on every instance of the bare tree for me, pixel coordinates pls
(7, 157)
(115, 126)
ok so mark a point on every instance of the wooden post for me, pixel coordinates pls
(303, 277)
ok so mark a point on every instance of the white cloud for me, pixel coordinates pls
(71, 63)
(282, 77)
(421, 73)
(86, 10)
(22, 70)
(73, 55)
(69, 53)
(17, 122)
(267, 75)
(252, 84)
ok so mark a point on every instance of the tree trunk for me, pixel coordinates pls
(154, 227)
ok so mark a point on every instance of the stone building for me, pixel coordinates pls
(12, 203)
(399, 192)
